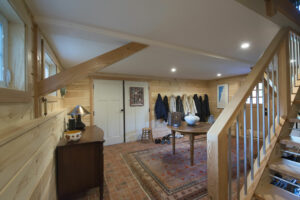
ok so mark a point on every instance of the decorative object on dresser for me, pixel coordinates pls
(78, 112)
(79, 165)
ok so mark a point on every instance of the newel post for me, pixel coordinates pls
(284, 77)
(217, 165)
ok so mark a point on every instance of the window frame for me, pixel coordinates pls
(4, 24)
(260, 99)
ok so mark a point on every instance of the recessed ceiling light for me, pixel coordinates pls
(173, 69)
(245, 45)
(218, 75)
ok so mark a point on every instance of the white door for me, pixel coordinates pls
(108, 105)
(136, 117)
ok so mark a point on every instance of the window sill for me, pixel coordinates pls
(14, 96)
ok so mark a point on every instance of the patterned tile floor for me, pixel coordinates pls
(120, 184)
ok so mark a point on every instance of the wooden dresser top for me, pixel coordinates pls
(89, 135)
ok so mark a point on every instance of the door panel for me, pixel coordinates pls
(136, 117)
(108, 103)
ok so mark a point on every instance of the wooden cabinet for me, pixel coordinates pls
(80, 164)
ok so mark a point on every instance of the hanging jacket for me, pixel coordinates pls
(160, 109)
(172, 104)
(202, 112)
(206, 106)
(193, 109)
(186, 105)
(166, 102)
(179, 106)
(198, 106)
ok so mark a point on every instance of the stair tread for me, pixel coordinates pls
(271, 192)
(291, 141)
(294, 120)
(297, 101)
(286, 167)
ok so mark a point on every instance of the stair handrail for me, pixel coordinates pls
(217, 147)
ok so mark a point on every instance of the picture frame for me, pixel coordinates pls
(222, 95)
(136, 96)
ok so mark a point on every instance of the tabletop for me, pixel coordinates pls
(199, 127)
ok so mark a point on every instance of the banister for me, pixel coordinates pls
(217, 145)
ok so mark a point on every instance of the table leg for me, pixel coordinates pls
(173, 141)
(192, 137)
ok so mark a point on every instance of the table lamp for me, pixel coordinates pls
(76, 113)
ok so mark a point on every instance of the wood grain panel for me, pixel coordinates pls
(82, 70)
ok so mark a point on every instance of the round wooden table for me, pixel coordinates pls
(200, 128)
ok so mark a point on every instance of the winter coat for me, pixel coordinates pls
(206, 106)
(202, 114)
(186, 105)
(179, 106)
(160, 109)
(166, 102)
(172, 104)
(198, 106)
(193, 109)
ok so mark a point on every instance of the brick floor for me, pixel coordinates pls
(120, 184)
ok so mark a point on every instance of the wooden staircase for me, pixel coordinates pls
(263, 169)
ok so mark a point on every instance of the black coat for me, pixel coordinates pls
(198, 106)
(206, 106)
(179, 106)
(202, 112)
(160, 109)
(166, 102)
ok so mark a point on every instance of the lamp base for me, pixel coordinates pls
(79, 124)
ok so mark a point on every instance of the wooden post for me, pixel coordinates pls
(284, 78)
(37, 109)
(217, 166)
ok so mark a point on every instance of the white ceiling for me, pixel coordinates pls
(190, 35)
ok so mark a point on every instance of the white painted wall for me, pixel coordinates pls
(136, 118)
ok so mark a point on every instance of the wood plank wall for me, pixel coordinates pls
(27, 144)
(78, 94)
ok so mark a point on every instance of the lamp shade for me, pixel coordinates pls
(79, 110)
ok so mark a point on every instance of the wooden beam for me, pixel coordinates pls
(284, 78)
(82, 70)
(271, 9)
(289, 10)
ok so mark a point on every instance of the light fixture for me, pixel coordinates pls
(218, 75)
(173, 69)
(245, 45)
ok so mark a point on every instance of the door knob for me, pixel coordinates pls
(122, 110)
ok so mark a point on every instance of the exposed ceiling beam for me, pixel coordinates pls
(131, 37)
(82, 70)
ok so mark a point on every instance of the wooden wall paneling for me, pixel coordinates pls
(78, 93)
(21, 171)
(91, 101)
(82, 70)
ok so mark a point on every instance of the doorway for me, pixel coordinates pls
(120, 121)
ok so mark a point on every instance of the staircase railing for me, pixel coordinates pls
(242, 138)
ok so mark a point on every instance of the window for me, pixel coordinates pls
(50, 69)
(260, 94)
(3, 49)
(12, 48)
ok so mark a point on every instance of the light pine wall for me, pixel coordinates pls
(234, 84)
(78, 94)
(168, 88)
(27, 144)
